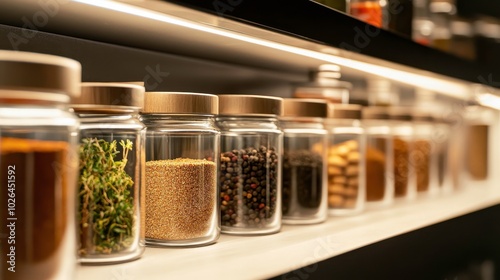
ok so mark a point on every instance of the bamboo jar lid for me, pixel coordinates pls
(376, 113)
(400, 113)
(34, 76)
(180, 103)
(344, 111)
(312, 108)
(250, 105)
(109, 97)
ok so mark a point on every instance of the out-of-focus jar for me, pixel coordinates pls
(478, 132)
(182, 149)
(379, 176)
(423, 153)
(251, 159)
(442, 134)
(346, 161)
(404, 171)
(111, 215)
(369, 11)
(325, 84)
(304, 161)
(38, 166)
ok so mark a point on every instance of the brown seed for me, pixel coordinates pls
(180, 198)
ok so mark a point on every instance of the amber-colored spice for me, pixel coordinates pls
(375, 174)
(43, 190)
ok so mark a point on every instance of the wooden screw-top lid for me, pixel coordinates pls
(109, 97)
(250, 105)
(180, 103)
(34, 76)
(312, 108)
(344, 111)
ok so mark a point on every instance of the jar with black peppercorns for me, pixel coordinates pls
(304, 169)
(250, 164)
(346, 160)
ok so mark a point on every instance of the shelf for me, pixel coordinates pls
(295, 246)
(259, 34)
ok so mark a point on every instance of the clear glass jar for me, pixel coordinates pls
(379, 157)
(304, 177)
(38, 165)
(325, 84)
(110, 212)
(182, 148)
(251, 159)
(369, 11)
(346, 161)
(479, 130)
(404, 171)
(442, 134)
(423, 153)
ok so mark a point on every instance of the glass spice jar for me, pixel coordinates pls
(325, 84)
(442, 132)
(304, 161)
(251, 158)
(402, 137)
(379, 177)
(369, 11)
(182, 149)
(38, 165)
(111, 213)
(346, 161)
(422, 155)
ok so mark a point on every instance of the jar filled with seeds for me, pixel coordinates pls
(423, 157)
(402, 137)
(346, 161)
(38, 166)
(304, 161)
(250, 169)
(182, 150)
(379, 178)
(111, 179)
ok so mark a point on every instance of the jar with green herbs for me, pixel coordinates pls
(251, 158)
(346, 161)
(111, 211)
(182, 149)
(38, 165)
(304, 161)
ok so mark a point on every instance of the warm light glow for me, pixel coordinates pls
(489, 100)
(451, 88)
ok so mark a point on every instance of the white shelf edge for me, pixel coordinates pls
(294, 246)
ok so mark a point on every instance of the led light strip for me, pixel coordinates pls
(453, 89)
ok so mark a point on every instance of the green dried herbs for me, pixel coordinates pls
(105, 197)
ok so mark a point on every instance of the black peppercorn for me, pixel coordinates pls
(255, 171)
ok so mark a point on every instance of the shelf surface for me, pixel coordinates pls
(295, 246)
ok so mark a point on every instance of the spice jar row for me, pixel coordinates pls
(177, 168)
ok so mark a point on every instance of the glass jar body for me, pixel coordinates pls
(423, 158)
(404, 171)
(379, 158)
(38, 164)
(304, 176)
(250, 175)
(181, 180)
(346, 167)
(111, 149)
